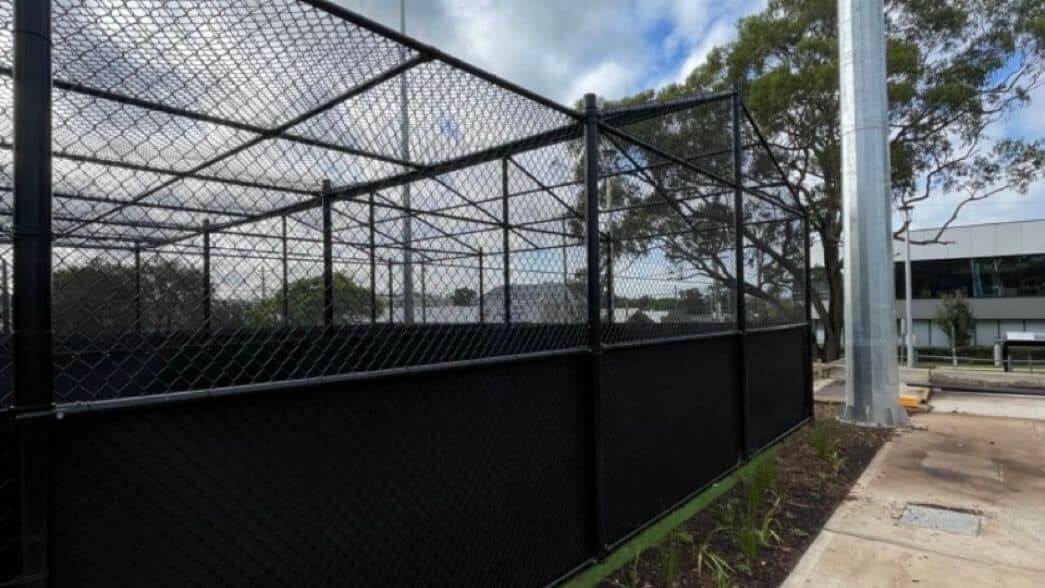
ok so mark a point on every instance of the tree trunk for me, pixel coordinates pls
(833, 323)
(833, 335)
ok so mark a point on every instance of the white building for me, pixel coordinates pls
(999, 267)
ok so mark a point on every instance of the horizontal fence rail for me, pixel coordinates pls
(289, 298)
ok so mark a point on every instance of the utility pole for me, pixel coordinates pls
(871, 383)
(908, 317)
(408, 219)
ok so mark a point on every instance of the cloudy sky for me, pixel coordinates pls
(564, 48)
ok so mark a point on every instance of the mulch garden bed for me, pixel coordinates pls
(774, 513)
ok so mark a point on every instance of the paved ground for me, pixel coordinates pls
(992, 468)
(1009, 405)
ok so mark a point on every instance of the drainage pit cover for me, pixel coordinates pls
(940, 518)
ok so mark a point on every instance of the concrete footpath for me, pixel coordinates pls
(958, 501)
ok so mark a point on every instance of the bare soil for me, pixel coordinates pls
(808, 486)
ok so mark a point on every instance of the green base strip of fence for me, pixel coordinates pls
(655, 533)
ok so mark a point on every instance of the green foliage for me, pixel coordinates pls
(465, 297)
(837, 461)
(749, 530)
(668, 552)
(955, 318)
(822, 442)
(822, 478)
(706, 560)
(305, 303)
(649, 303)
(100, 296)
(759, 483)
(955, 70)
(826, 450)
(751, 523)
(693, 301)
(640, 318)
(632, 575)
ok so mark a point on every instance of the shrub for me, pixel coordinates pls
(955, 317)
(749, 524)
(821, 441)
(670, 571)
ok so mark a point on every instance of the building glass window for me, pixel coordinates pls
(982, 277)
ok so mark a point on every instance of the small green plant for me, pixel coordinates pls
(759, 483)
(750, 530)
(632, 576)
(670, 569)
(749, 524)
(837, 461)
(822, 444)
(822, 478)
(706, 560)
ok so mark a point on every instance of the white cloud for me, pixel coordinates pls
(1007, 206)
(565, 48)
(720, 33)
(616, 47)
(1029, 121)
(607, 79)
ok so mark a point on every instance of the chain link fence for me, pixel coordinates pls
(251, 197)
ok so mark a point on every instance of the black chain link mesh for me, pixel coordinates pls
(276, 192)
(194, 146)
(774, 239)
(667, 226)
(174, 121)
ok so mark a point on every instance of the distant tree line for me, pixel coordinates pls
(100, 296)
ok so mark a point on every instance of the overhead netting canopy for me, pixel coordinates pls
(248, 191)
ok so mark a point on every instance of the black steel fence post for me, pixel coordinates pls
(206, 278)
(32, 203)
(739, 290)
(33, 369)
(567, 313)
(372, 254)
(505, 244)
(482, 289)
(391, 294)
(5, 299)
(138, 288)
(328, 259)
(286, 275)
(609, 279)
(591, 188)
(424, 305)
(810, 330)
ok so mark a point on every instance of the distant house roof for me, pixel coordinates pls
(542, 302)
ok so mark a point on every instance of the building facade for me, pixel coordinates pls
(998, 267)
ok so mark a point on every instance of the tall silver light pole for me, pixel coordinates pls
(908, 317)
(870, 297)
(408, 221)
